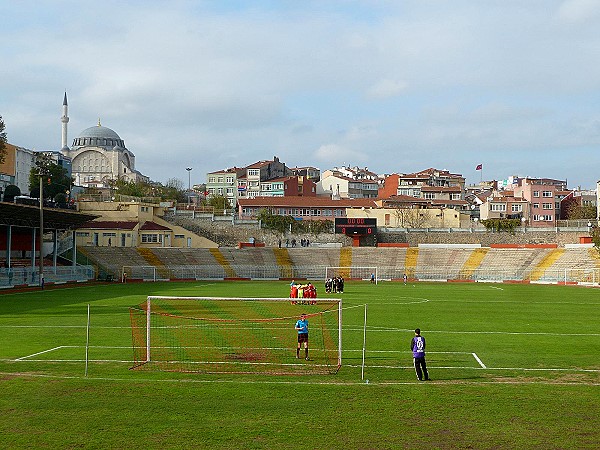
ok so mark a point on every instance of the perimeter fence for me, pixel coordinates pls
(318, 272)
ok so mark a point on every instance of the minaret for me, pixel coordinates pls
(65, 120)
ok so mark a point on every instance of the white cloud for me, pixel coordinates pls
(209, 86)
(576, 11)
(386, 88)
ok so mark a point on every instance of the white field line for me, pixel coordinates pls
(524, 369)
(297, 382)
(482, 366)
(360, 329)
(479, 361)
(40, 353)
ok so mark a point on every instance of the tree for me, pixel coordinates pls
(579, 212)
(11, 192)
(412, 218)
(280, 224)
(595, 232)
(498, 225)
(129, 188)
(218, 202)
(173, 190)
(2, 141)
(55, 179)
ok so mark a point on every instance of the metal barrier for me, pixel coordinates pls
(28, 276)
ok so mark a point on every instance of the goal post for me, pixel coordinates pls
(352, 272)
(235, 335)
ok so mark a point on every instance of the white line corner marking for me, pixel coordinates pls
(479, 360)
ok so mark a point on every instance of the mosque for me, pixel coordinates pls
(99, 156)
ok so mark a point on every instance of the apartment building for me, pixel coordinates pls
(505, 205)
(288, 187)
(541, 194)
(225, 183)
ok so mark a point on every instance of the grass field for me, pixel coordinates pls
(513, 366)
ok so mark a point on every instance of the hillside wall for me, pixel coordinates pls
(225, 234)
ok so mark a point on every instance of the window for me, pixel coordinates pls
(219, 179)
(547, 194)
(535, 206)
(387, 219)
(150, 238)
(455, 196)
(211, 179)
(253, 172)
(498, 207)
(536, 193)
(547, 206)
(229, 179)
(516, 208)
(429, 195)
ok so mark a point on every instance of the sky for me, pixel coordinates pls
(395, 86)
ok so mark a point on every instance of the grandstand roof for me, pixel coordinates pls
(54, 218)
(153, 226)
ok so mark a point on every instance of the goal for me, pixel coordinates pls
(352, 273)
(235, 335)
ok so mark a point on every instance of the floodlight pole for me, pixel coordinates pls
(41, 262)
(189, 171)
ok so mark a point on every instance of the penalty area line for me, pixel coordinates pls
(479, 360)
(45, 351)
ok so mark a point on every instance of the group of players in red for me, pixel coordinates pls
(307, 290)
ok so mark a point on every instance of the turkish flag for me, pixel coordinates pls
(479, 167)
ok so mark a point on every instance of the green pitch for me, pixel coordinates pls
(513, 366)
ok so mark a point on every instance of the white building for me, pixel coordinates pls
(99, 156)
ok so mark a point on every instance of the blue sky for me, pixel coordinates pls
(396, 86)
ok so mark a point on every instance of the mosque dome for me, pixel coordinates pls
(99, 132)
(98, 136)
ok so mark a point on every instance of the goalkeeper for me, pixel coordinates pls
(302, 329)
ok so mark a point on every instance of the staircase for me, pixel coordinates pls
(162, 271)
(345, 261)
(472, 263)
(229, 272)
(286, 266)
(545, 263)
(410, 263)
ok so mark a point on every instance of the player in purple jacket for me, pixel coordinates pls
(417, 345)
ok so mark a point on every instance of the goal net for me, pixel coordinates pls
(352, 273)
(235, 335)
